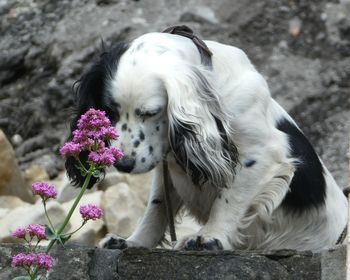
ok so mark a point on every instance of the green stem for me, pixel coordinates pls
(70, 213)
(47, 216)
(82, 165)
(71, 233)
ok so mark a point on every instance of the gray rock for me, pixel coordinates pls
(89, 263)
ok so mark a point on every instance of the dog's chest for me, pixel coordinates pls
(197, 200)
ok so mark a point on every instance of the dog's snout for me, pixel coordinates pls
(126, 164)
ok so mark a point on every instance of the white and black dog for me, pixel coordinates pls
(238, 162)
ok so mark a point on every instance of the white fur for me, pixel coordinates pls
(161, 71)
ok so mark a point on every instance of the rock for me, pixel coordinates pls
(11, 202)
(66, 191)
(78, 262)
(122, 208)
(140, 183)
(11, 179)
(89, 234)
(200, 14)
(29, 214)
(35, 173)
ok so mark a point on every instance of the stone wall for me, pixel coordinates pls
(101, 264)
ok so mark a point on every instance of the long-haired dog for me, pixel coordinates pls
(238, 162)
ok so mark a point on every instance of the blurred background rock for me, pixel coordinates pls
(302, 47)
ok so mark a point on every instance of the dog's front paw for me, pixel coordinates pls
(201, 243)
(112, 241)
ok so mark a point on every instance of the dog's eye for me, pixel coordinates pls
(148, 114)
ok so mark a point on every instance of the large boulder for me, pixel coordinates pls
(11, 179)
(122, 208)
(140, 183)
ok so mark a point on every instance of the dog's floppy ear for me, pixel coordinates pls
(198, 127)
(92, 92)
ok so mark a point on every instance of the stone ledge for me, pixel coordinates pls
(77, 262)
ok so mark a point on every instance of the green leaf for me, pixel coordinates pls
(22, 278)
(49, 233)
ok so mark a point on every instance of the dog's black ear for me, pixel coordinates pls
(92, 91)
(198, 127)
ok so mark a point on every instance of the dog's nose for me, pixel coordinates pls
(126, 164)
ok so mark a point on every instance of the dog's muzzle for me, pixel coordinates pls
(126, 164)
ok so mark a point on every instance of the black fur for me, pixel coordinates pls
(199, 174)
(308, 186)
(91, 92)
(183, 132)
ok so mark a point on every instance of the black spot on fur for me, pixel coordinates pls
(129, 130)
(308, 187)
(136, 143)
(143, 159)
(226, 200)
(133, 153)
(138, 112)
(142, 135)
(127, 116)
(219, 195)
(124, 127)
(249, 163)
(156, 201)
(150, 149)
(157, 127)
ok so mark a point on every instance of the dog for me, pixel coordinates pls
(237, 161)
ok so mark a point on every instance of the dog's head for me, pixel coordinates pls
(161, 99)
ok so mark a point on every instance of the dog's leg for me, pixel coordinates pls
(151, 229)
(238, 205)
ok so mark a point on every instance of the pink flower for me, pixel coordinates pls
(45, 261)
(117, 153)
(71, 149)
(93, 120)
(106, 157)
(23, 259)
(37, 230)
(90, 212)
(18, 259)
(19, 232)
(30, 259)
(93, 129)
(45, 190)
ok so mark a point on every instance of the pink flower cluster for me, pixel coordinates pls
(45, 190)
(90, 212)
(42, 260)
(35, 230)
(93, 129)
